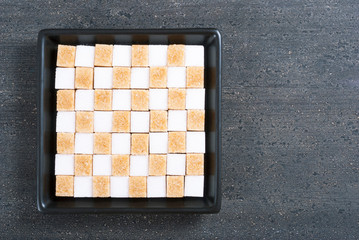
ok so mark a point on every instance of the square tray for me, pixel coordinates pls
(48, 39)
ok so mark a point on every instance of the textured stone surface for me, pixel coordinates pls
(290, 118)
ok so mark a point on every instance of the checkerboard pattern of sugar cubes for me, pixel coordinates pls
(130, 121)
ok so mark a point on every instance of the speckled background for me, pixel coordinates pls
(290, 118)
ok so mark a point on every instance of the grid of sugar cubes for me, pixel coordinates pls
(130, 121)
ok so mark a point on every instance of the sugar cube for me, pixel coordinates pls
(139, 100)
(196, 142)
(82, 186)
(195, 77)
(158, 77)
(195, 120)
(157, 55)
(84, 143)
(85, 56)
(194, 55)
(65, 100)
(176, 77)
(158, 121)
(177, 142)
(65, 143)
(65, 122)
(158, 142)
(140, 121)
(120, 165)
(140, 77)
(84, 121)
(195, 164)
(103, 55)
(64, 78)
(103, 100)
(177, 98)
(177, 120)
(175, 55)
(103, 77)
(84, 100)
(64, 186)
(101, 186)
(176, 164)
(156, 186)
(175, 186)
(66, 56)
(139, 165)
(139, 144)
(195, 98)
(121, 77)
(194, 186)
(102, 121)
(137, 187)
(121, 121)
(121, 100)
(64, 164)
(102, 143)
(157, 165)
(119, 187)
(158, 99)
(121, 143)
(102, 165)
(83, 165)
(84, 78)
(139, 55)
(122, 55)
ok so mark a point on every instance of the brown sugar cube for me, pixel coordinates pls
(175, 55)
(84, 78)
(195, 120)
(176, 98)
(65, 142)
(64, 186)
(177, 142)
(83, 165)
(158, 121)
(158, 77)
(120, 165)
(139, 55)
(157, 165)
(175, 186)
(103, 55)
(195, 164)
(101, 186)
(139, 144)
(66, 56)
(195, 77)
(103, 99)
(139, 100)
(121, 77)
(84, 121)
(137, 187)
(102, 143)
(121, 121)
(65, 100)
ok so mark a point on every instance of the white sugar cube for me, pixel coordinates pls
(176, 164)
(176, 77)
(195, 98)
(158, 142)
(177, 120)
(196, 142)
(121, 143)
(64, 164)
(193, 186)
(140, 121)
(65, 78)
(85, 56)
(84, 100)
(139, 165)
(65, 122)
(102, 121)
(84, 143)
(82, 186)
(121, 100)
(121, 56)
(194, 55)
(156, 186)
(157, 55)
(119, 187)
(140, 78)
(102, 165)
(103, 77)
(158, 99)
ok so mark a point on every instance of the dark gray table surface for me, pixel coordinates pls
(290, 118)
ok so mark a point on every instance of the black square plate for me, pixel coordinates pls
(48, 40)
